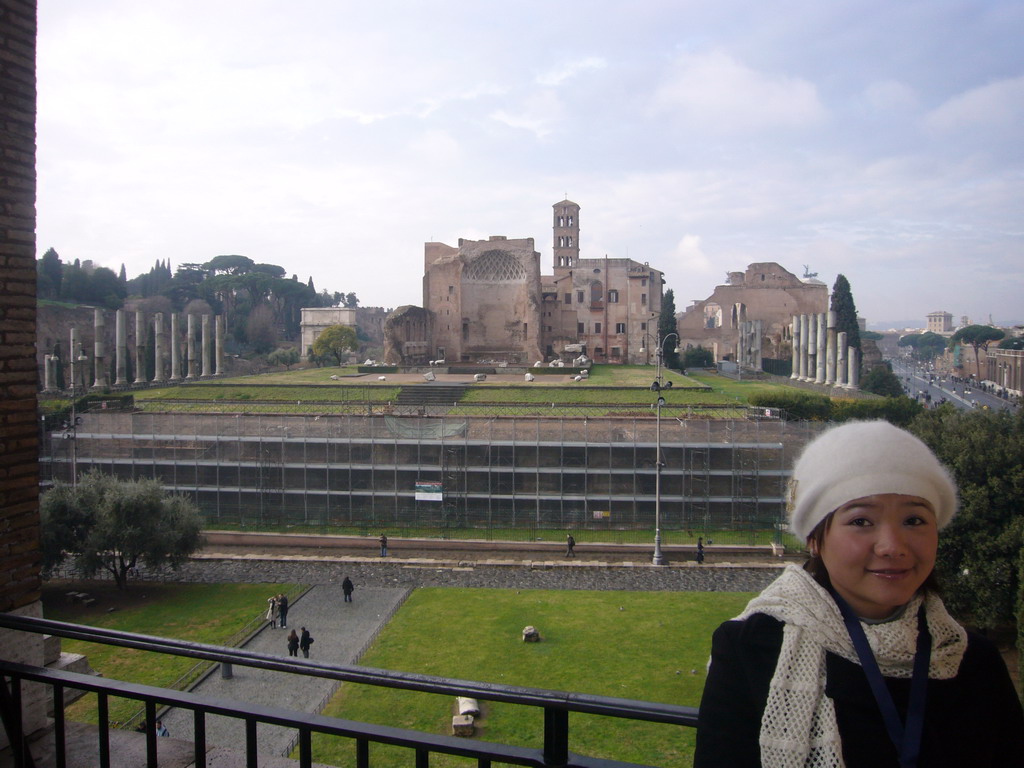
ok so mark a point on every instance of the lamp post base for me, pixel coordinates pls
(659, 558)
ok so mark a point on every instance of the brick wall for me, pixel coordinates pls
(19, 468)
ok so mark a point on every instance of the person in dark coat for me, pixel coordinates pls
(853, 659)
(347, 587)
(570, 545)
(293, 643)
(305, 640)
(383, 545)
(700, 550)
(282, 609)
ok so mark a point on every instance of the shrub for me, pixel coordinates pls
(805, 406)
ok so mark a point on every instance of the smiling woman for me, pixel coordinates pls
(853, 660)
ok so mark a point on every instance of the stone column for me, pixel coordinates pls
(47, 373)
(140, 348)
(99, 350)
(175, 348)
(830, 349)
(218, 334)
(158, 347)
(819, 375)
(755, 344)
(795, 345)
(841, 368)
(812, 347)
(192, 368)
(853, 360)
(207, 348)
(121, 348)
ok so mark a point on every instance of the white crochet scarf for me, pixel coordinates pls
(798, 728)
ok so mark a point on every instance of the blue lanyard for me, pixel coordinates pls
(907, 739)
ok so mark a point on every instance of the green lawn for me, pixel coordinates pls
(204, 613)
(652, 646)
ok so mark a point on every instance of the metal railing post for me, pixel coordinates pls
(556, 736)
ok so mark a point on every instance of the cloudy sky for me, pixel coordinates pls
(879, 139)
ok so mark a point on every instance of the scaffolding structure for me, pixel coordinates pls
(493, 472)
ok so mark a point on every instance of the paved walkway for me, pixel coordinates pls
(340, 632)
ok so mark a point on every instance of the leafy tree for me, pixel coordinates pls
(260, 330)
(698, 357)
(667, 326)
(108, 524)
(1017, 342)
(978, 337)
(229, 264)
(880, 380)
(980, 551)
(926, 346)
(50, 273)
(334, 342)
(846, 311)
(286, 356)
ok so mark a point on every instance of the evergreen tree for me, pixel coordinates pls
(666, 327)
(846, 311)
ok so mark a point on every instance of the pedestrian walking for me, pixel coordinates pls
(273, 611)
(383, 545)
(305, 640)
(282, 608)
(347, 588)
(293, 644)
(161, 729)
(700, 550)
(570, 544)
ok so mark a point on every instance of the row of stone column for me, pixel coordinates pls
(203, 358)
(821, 354)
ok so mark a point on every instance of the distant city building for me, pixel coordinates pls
(766, 291)
(940, 322)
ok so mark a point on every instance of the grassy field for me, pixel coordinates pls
(652, 646)
(204, 613)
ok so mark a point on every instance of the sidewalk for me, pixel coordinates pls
(340, 632)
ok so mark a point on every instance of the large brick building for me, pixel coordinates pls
(485, 301)
(766, 292)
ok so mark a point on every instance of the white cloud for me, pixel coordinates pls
(995, 107)
(887, 96)
(568, 70)
(717, 92)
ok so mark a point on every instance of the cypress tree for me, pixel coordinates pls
(846, 311)
(667, 326)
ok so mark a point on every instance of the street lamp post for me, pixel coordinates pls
(659, 354)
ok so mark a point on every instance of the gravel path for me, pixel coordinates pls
(340, 631)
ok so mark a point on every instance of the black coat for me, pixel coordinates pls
(973, 719)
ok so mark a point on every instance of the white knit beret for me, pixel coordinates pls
(861, 459)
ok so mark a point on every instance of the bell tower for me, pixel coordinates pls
(566, 234)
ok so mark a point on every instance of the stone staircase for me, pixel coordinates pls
(430, 394)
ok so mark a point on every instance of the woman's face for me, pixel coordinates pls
(878, 551)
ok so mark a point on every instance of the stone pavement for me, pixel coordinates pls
(340, 631)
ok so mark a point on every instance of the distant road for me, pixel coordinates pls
(919, 384)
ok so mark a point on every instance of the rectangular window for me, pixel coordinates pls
(616, 351)
(643, 326)
(599, 351)
(451, 289)
(613, 296)
(620, 327)
(579, 297)
(643, 282)
(568, 298)
(643, 298)
(597, 327)
(579, 329)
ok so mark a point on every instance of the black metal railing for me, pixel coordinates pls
(556, 705)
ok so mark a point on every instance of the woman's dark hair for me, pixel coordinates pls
(816, 566)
